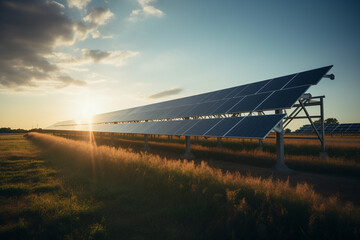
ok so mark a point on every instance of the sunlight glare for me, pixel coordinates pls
(85, 108)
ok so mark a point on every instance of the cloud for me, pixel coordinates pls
(99, 16)
(146, 10)
(80, 4)
(30, 30)
(82, 31)
(115, 58)
(166, 93)
(95, 55)
(66, 81)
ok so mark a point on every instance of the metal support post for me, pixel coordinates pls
(323, 153)
(219, 144)
(280, 162)
(260, 147)
(146, 143)
(187, 155)
(112, 139)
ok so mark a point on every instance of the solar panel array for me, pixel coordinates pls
(243, 127)
(345, 128)
(164, 117)
(277, 93)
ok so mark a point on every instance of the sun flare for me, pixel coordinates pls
(85, 108)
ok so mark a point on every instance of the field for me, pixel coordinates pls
(53, 187)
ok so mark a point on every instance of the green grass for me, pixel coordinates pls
(139, 196)
(34, 203)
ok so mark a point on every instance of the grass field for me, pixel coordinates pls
(303, 155)
(58, 188)
(35, 203)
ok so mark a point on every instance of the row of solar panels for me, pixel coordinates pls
(332, 128)
(277, 93)
(241, 127)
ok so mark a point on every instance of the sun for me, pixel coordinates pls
(85, 108)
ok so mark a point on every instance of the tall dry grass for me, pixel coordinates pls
(226, 206)
(298, 157)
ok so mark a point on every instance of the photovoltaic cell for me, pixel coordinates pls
(282, 99)
(227, 105)
(255, 126)
(184, 126)
(173, 127)
(311, 77)
(180, 111)
(201, 127)
(277, 83)
(237, 91)
(223, 127)
(218, 95)
(200, 109)
(252, 88)
(249, 103)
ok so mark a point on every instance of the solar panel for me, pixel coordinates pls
(272, 94)
(277, 83)
(244, 127)
(333, 128)
(236, 91)
(226, 105)
(201, 127)
(255, 126)
(283, 91)
(311, 77)
(249, 103)
(282, 99)
(218, 95)
(252, 88)
(223, 126)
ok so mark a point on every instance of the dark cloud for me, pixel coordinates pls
(95, 55)
(29, 31)
(166, 93)
(66, 81)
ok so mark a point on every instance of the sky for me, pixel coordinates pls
(62, 60)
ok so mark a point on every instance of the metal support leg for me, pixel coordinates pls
(323, 153)
(280, 162)
(260, 147)
(112, 139)
(146, 147)
(187, 155)
(219, 144)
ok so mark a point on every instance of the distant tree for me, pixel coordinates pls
(9, 130)
(287, 130)
(331, 121)
(5, 130)
(328, 121)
